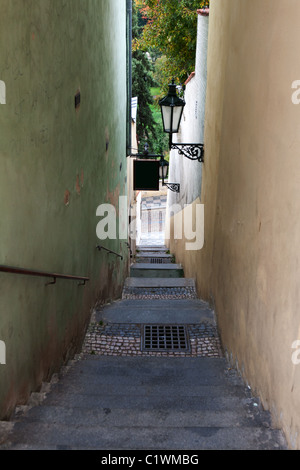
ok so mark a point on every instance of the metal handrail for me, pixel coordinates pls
(31, 272)
(100, 247)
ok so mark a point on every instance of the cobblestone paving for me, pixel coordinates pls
(160, 293)
(126, 340)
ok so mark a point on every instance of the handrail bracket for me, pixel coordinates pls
(51, 283)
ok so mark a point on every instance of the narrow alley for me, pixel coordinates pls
(149, 235)
(151, 375)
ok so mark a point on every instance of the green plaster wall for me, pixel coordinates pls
(57, 165)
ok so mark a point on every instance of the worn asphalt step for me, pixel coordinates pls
(60, 437)
(162, 282)
(154, 254)
(137, 403)
(154, 258)
(187, 304)
(149, 372)
(117, 416)
(156, 270)
(166, 311)
(159, 288)
(156, 249)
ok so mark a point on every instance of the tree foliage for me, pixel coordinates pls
(142, 80)
(149, 129)
(141, 83)
(170, 26)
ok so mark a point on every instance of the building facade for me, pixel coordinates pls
(62, 155)
(248, 267)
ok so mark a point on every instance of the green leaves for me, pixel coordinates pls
(167, 29)
(141, 84)
(171, 28)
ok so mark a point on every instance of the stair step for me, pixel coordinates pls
(152, 248)
(176, 288)
(154, 258)
(166, 311)
(141, 417)
(155, 438)
(148, 254)
(176, 373)
(154, 403)
(160, 270)
(163, 282)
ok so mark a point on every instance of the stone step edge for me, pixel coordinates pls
(152, 266)
(151, 247)
(152, 254)
(159, 282)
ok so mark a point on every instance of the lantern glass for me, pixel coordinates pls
(171, 110)
(166, 113)
(177, 113)
(163, 169)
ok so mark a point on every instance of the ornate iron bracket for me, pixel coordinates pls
(191, 151)
(175, 187)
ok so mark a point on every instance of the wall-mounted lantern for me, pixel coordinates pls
(171, 110)
(163, 174)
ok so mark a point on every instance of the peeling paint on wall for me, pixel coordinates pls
(77, 185)
(67, 197)
(113, 197)
(77, 100)
(106, 142)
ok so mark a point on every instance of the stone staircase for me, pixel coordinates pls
(156, 275)
(126, 392)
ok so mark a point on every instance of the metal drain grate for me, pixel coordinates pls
(156, 260)
(165, 338)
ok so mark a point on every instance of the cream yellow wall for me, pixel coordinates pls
(179, 224)
(249, 266)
